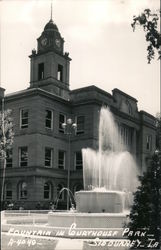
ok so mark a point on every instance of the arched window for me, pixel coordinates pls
(8, 191)
(22, 190)
(60, 192)
(47, 191)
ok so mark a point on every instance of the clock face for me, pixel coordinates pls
(58, 42)
(44, 42)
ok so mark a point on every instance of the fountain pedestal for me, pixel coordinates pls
(100, 202)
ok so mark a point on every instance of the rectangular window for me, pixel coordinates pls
(80, 121)
(9, 158)
(78, 160)
(48, 157)
(9, 194)
(125, 135)
(8, 191)
(148, 142)
(40, 71)
(49, 119)
(23, 156)
(47, 191)
(22, 190)
(62, 119)
(60, 73)
(61, 159)
(24, 117)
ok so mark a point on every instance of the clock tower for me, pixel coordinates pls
(49, 64)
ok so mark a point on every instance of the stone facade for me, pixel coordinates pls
(42, 153)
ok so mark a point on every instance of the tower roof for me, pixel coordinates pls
(50, 26)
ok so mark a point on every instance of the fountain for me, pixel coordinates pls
(110, 173)
(71, 197)
(110, 177)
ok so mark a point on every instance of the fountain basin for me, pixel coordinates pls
(87, 220)
(100, 202)
(96, 211)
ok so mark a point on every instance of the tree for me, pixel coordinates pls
(145, 214)
(150, 23)
(158, 131)
(6, 140)
(6, 132)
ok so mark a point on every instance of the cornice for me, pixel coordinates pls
(34, 92)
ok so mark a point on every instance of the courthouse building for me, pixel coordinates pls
(44, 153)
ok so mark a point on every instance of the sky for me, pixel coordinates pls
(99, 38)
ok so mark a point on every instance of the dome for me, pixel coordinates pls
(50, 26)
